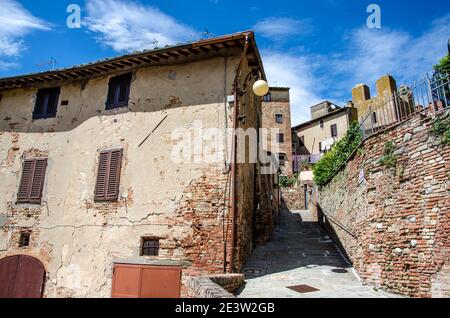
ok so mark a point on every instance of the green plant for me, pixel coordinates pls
(332, 161)
(389, 159)
(286, 182)
(441, 129)
(444, 65)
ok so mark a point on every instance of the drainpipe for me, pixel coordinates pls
(234, 156)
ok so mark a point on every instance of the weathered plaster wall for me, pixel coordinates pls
(313, 134)
(182, 203)
(394, 222)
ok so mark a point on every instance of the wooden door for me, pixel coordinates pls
(21, 277)
(141, 281)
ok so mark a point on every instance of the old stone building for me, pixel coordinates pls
(276, 108)
(93, 201)
(389, 106)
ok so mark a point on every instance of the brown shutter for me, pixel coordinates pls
(108, 178)
(40, 166)
(25, 182)
(125, 83)
(111, 99)
(32, 181)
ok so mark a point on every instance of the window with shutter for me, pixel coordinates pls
(108, 177)
(46, 103)
(334, 131)
(118, 91)
(32, 181)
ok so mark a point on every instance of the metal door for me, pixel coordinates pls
(140, 281)
(21, 277)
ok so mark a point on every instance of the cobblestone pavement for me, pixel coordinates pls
(302, 254)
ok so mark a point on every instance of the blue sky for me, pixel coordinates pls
(320, 49)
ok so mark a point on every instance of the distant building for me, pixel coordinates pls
(314, 138)
(276, 108)
(390, 106)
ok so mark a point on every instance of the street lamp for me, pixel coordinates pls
(261, 88)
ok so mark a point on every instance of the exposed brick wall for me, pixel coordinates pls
(394, 222)
(269, 111)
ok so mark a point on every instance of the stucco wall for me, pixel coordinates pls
(314, 134)
(394, 222)
(182, 203)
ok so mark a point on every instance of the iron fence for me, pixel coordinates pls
(428, 94)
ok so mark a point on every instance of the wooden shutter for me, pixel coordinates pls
(52, 104)
(32, 181)
(40, 166)
(334, 131)
(118, 91)
(111, 98)
(125, 82)
(108, 177)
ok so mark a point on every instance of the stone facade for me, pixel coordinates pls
(218, 286)
(277, 103)
(393, 110)
(184, 204)
(393, 222)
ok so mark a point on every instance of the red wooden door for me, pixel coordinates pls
(21, 277)
(140, 281)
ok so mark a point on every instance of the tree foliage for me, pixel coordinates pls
(332, 161)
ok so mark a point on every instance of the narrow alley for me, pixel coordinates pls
(302, 257)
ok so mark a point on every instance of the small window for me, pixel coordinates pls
(24, 240)
(320, 147)
(267, 98)
(32, 181)
(282, 159)
(108, 176)
(118, 91)
(280, 138)
(150, 246)
(334, 131)
(46, 103)
(322, 124)
(279, 118)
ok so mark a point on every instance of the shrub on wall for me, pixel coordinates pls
(286, 182)
(441, 129)
(325, 169)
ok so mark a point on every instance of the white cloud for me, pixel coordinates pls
(130, 26)
(367, 55)
(298, 73)
(279, 28)
(371, 53)
(16, 22)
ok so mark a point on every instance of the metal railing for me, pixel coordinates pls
(428, 94)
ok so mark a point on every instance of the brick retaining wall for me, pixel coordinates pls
(394, 222)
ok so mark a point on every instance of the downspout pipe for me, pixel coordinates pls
(234, 156)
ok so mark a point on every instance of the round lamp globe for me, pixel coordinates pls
(261, 88)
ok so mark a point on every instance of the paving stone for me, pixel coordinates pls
(297, 256)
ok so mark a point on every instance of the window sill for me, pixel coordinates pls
(35, 203)
(44, 117)
(112, 107)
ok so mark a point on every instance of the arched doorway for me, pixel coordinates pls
(21, 276)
